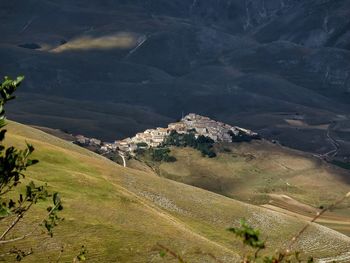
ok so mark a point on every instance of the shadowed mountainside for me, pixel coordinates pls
(265, 65)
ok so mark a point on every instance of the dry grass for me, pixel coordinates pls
(120, 213)
(259, 172)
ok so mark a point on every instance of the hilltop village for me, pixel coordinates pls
(151, 138)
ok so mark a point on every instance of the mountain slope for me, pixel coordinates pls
(120, 213)
(263, 173)
(155, 60)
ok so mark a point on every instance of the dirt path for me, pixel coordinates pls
(336, 146)
(123, 157)
(142, 40)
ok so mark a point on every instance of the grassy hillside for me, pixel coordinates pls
(264, 173)
(121, 213)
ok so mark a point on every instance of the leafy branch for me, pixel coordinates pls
(13, 163)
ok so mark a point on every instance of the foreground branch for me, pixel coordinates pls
(2, 242)
(318, 215)
(14, 222)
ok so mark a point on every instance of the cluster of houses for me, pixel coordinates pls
(197, 124)
(95, 144)
(85, 141)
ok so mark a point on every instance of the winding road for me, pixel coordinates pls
(121, 154)
(123, 157)
(336, 146)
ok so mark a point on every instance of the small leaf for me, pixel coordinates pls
(30, 147)
(2, 134)
(162, 254)
(56, 199)
(4, 211)
(11, 204)
(81, 258)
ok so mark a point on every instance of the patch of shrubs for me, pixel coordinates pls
(142, 145)
(201, 143)
(243, 137)
(162, 154)
(141, 148)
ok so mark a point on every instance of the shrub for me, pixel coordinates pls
(202, 143)
(162, 154)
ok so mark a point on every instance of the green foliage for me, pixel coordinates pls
(142, 145)
(7, 88)
(205, 145)
(82, 254)
(162, 253)
(141, 148)
(249, 235)
(251, 238)
(202, 143)
(20, 254)
(169, 159)
(53, 217)
(140, 151)
(13, 163)
(162, 154)
(243, 137)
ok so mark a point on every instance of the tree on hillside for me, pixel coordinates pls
(162, 154)
(202, 143)
(14, 203)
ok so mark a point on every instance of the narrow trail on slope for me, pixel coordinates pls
(336, 146)
(142, 40)
(123, 157)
